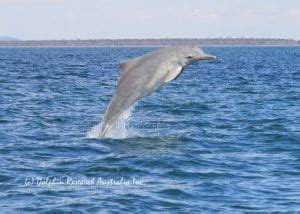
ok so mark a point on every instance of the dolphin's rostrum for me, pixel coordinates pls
(142, 75)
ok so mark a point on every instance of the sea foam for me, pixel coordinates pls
(119, 130)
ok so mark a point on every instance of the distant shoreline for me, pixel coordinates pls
(146, 46)
(118, 43)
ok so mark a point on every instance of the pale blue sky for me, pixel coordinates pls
(96, 19)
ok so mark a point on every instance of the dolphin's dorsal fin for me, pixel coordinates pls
(127, 64)
(173, 74)
(124, 65)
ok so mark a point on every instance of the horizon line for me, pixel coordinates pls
(162, 38)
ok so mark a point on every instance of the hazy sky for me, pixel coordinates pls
(95, 19)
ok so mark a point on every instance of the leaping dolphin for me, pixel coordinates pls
(143, 75)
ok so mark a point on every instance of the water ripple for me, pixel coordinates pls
(224, 137)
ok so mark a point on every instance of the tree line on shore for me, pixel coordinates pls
(149, 42)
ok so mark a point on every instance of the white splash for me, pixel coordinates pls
(119, 130)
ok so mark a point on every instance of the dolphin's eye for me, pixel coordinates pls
(189, 57)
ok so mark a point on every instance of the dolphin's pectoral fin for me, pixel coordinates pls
(173, 74)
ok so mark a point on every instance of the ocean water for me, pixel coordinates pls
(225, 136)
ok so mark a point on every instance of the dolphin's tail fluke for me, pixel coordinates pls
(104, 131)
(114, 125)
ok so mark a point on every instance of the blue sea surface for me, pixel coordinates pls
(224, 136)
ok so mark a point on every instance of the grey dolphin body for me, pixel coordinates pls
(143, 75)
